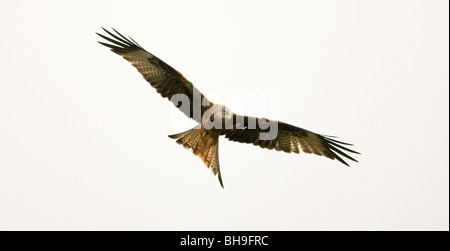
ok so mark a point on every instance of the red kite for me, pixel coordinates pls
(216, 120)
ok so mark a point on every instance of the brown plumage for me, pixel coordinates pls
(204, 140)
(166, 80)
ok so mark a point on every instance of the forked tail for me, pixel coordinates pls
(203, 144)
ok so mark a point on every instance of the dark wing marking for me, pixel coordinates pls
(291, 139)
(166, 80)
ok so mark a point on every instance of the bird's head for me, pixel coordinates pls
(226, 113)
(218, 117)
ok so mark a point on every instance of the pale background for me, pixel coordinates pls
(83, 138)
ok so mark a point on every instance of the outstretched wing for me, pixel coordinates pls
(289, 139)
(166, 80)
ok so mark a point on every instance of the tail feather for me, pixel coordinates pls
(203, 144)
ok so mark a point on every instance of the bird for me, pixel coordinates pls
(216, 120)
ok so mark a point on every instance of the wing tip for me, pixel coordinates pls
(338, 148)
(119, 41)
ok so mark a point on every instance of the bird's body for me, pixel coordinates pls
(216, 120)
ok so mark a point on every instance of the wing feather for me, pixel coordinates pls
(166, 80)
(291, 139)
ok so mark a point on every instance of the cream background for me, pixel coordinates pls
(83, 138)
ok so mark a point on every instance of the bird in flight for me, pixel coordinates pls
(216, 120)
